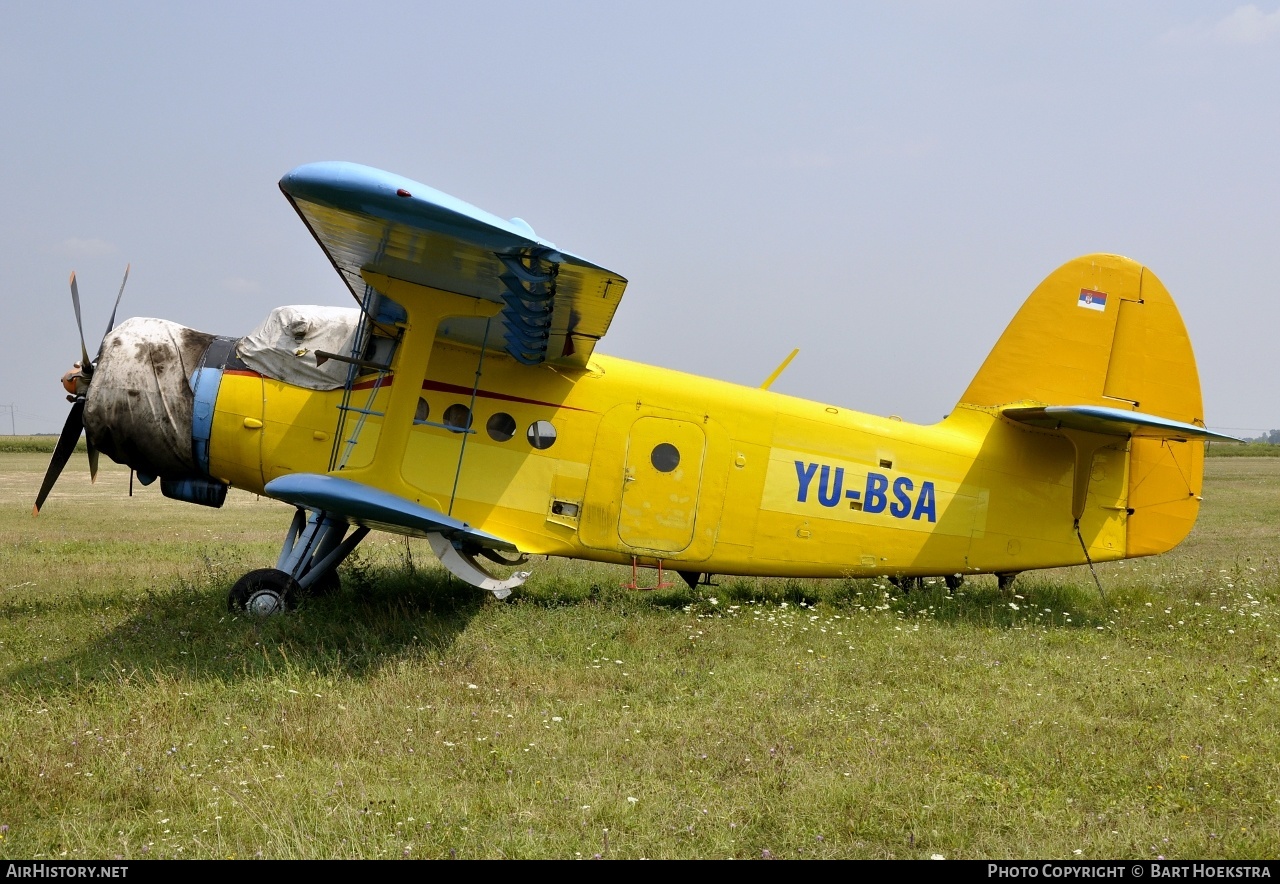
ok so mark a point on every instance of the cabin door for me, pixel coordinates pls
(660, 483)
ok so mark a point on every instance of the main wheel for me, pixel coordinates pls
(263, 592)
(1005, 581)
(954, 581)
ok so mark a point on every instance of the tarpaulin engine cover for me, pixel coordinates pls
(138, 408)
(284, 346)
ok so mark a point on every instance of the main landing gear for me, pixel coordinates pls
(314, 547)
(317, 543)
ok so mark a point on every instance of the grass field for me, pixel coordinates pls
(409, 716)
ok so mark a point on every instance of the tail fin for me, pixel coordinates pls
(1103, 331)
(1100, 330)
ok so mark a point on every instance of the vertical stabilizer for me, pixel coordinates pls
(1102, 330)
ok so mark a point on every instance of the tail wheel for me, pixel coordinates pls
(263, 592)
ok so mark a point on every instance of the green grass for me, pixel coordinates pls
(33, 444)
(1248, 449)
(411, 716)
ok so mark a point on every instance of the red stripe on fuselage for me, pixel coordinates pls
(368, 385)
(441, 387)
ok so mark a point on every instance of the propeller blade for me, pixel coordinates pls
(62, 452)
(93, 459)
(112, 323)
(75, 302)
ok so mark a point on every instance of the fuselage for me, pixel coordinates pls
(623, 461)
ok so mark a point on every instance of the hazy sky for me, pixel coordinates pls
(878, 184)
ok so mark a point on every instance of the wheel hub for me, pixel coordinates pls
(264, 603)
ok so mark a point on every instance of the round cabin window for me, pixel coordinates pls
(423, 411)
(665, 457)
(501, 427)
(457, 417)
(541, 435)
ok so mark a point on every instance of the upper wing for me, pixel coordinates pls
(556, 305)
(1109, 421)
(373, 508)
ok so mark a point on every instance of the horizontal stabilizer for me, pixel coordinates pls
(372, 508)
(1110, 422)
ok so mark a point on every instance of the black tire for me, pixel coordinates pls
(953, 581)
(262, 593)
(1005, 581)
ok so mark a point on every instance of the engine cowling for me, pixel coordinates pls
(138, 410)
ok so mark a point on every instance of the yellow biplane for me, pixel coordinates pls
(463, 401)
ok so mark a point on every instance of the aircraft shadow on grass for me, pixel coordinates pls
(384, 615)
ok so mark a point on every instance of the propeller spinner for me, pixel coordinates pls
(76, 382)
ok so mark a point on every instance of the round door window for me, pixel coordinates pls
(665, 457)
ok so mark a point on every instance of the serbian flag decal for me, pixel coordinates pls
(1091, 300)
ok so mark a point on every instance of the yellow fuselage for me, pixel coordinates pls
(761, 483)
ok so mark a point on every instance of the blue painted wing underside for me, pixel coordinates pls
(373, 508)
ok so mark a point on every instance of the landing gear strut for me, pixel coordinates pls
(313, 548)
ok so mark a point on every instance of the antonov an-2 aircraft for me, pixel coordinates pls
(463, 401)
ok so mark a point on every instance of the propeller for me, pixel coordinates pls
(76, 383)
